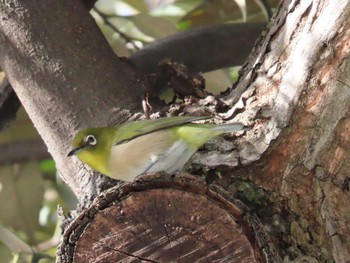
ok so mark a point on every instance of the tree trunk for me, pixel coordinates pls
(294, 90)
(297, 151)
(66, 77)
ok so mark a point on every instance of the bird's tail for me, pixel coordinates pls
(229, 127)
(196, 135)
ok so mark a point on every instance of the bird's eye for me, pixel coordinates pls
(91, 140)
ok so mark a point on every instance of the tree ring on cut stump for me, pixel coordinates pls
(161, 218)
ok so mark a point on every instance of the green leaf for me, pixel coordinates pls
(21, 197)
(5, 253)
(214, 12)
(265, 7)
(156, 27)
(21, 129)
(177, 9)
(48, 166)
(222, 11)
(14, 243)
(217, 81)
(243, 7)
(138, 5)
(121, 8)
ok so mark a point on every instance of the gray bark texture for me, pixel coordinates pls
(235, 39)
(67, 78)
(54, 61)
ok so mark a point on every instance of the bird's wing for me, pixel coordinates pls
(130, 130)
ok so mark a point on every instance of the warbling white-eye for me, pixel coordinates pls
(133, 148)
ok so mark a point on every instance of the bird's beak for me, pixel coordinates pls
(72, 152)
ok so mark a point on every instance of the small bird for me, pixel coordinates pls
(133, 148)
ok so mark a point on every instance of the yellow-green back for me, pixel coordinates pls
(94, 146)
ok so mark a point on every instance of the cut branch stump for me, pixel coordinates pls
(160, 218)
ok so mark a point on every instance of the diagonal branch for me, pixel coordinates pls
(201, 49)
(23, 151)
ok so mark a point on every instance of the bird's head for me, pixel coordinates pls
(92, 146)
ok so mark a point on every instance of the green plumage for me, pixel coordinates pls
(133, 148)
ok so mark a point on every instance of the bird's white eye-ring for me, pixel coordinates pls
(91, 140)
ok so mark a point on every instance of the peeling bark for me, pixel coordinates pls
(299, 146)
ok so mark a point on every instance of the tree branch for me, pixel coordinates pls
(299, 147)
(201, 49)
(23, 151)
(89, 3)
(66, 76)
(236, 39)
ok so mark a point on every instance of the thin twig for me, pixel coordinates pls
(127, 38)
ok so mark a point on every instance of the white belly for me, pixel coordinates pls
(149, 153)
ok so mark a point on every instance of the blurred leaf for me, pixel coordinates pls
(126, 26)
(48, 166)
(177, 9)
(50, 245)
(21, 129)
(265, 7)
(233, 72)
(217, 81)
(187, 5)
(114, 7)
(5, 253)
(20, 251)
(140, 6)
(155, 27)
(211, 12)
(40, 257)
(15, 244)
(66, 194)
(243, 7)
(22, 258)
(114, 26)
(119, 48)
(167, 95)
(21, 197)
(113, 38)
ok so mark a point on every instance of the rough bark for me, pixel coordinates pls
(159, 218)
(289, 88)
(65, 75)
(237, 39)
(299, 147)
